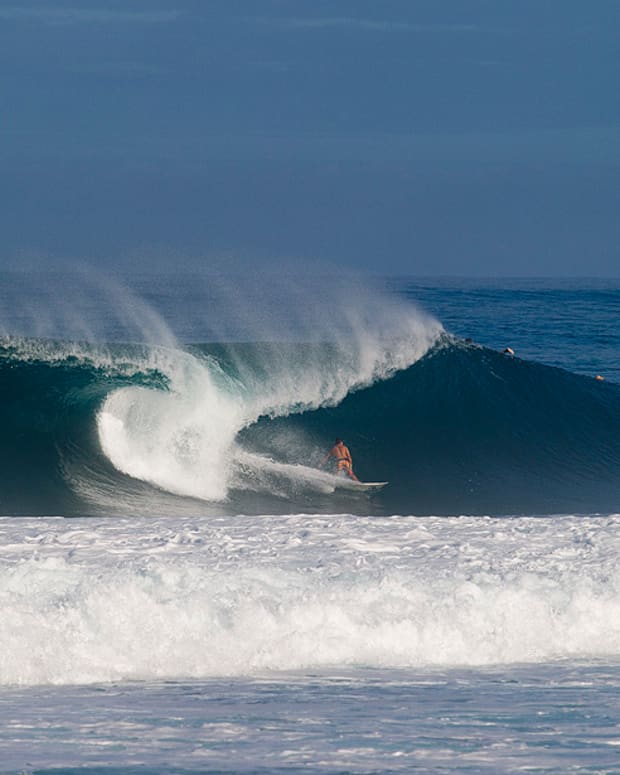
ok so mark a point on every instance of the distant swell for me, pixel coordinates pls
(462, 430)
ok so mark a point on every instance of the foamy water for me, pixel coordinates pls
(555, 718)
(104, 600)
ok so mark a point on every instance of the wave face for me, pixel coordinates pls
(454, 428)
(469, 430)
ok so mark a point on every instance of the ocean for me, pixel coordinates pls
(184, 588)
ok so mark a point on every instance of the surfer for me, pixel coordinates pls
(342, 457)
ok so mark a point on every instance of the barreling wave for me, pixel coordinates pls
(455, 428)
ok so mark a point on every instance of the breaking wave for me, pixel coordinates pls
(454, 428)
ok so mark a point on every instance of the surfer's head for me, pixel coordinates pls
(338, 441)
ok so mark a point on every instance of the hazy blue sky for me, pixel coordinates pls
(436, 137)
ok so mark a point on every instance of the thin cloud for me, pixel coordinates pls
(70, 15)
(122, 68)
(374, 25)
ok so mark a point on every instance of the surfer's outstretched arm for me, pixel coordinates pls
(325, 459)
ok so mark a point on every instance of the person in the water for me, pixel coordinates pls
(342, 458)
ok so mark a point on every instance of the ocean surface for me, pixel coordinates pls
(184, 589)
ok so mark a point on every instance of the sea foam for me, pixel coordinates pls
(96, 600)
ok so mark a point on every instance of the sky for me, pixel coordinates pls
(435, 137)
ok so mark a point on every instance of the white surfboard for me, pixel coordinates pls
(372, 485)
(351, 484)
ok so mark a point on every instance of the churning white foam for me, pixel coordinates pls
(183, 440)
(178, 440)
(102, 600)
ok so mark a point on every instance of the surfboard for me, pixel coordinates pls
(369, 485)
(346, 483)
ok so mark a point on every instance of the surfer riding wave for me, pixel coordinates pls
(341, 458)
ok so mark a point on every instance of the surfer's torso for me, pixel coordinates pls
(342, 457)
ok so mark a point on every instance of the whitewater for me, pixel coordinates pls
(337, 643)
(114, 600)
(184, 590)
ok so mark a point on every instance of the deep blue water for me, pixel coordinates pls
(571, 323)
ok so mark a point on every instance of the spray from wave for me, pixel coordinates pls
(145, 408)
(185, 441)
(77, 304)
